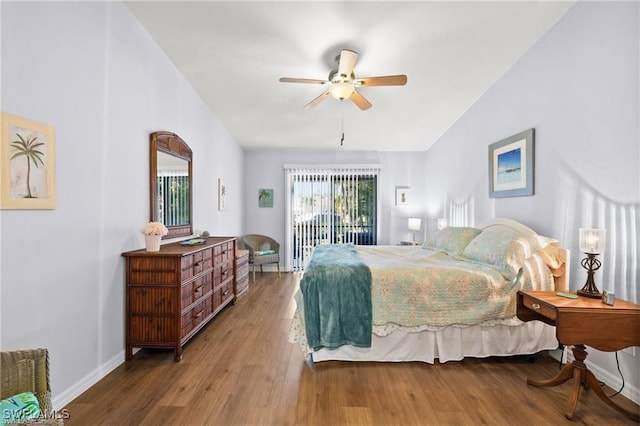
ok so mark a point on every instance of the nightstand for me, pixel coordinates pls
(579, 322)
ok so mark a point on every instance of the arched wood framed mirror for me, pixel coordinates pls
(171, 190)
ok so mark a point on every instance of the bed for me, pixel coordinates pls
(450, 298)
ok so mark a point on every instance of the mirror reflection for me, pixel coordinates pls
(172, 190)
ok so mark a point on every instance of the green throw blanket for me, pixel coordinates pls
(337, 298)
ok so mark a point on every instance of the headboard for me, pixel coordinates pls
(556, 257)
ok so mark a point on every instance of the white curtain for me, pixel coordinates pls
(328, 205)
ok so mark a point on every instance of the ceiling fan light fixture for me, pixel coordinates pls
(342, 91)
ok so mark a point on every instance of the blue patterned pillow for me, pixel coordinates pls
(452, 240)
(503, 249)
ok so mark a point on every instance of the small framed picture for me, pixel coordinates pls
(511, 166)
(222, 195)
(403, 193)
(27, 164)
(265, 198)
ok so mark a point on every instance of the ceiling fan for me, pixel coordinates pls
(342, 83)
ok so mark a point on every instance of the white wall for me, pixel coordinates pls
(579, 88)
(89, 70)
(264, 169)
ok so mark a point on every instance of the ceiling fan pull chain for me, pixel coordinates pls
(342, 139)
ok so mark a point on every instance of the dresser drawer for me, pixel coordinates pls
(222, 294)
(539, 307)
(222, 273)
(224, 252)
(196, 263)
(195, 289)
(196, 315)
(153, 271)
(159, 301)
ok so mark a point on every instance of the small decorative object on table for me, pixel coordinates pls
(193, 242)
(153, 233)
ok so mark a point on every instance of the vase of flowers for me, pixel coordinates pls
(153, 233)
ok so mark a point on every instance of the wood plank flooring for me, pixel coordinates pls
(241, 370)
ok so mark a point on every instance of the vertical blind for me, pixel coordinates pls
(329, 205)
(173, 198)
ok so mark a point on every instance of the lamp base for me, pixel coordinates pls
(591, 264)
(587, 293)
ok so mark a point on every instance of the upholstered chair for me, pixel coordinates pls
(262, 250)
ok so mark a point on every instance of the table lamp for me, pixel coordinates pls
(592, 243)
(414, 225)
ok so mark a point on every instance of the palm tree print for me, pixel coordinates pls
(264, 197)
(29, 149)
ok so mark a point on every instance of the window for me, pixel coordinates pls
(329, 205)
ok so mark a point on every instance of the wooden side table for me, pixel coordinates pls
(579, 322)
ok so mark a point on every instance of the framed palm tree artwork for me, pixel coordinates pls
(27, 160)
(265, 198)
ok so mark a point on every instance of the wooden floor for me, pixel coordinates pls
(241, 370)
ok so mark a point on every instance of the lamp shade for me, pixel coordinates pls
(341, 91)
(414, 223)
(592, 241)
(442, 223)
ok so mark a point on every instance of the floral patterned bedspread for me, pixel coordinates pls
(412, 286)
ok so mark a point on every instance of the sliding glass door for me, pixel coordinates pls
(329, 206)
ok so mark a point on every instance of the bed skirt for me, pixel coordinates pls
(449, 344)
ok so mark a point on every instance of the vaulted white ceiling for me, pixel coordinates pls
(233, 53)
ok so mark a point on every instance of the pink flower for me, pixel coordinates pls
(155, 228)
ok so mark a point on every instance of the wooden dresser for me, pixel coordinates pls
(242, 272)
(171, 294)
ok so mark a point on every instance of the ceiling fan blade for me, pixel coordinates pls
(317, 100)
(301, 80)
(386, 80)
(346, 63)
(360, 101)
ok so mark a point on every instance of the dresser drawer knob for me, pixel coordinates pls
(535, 306)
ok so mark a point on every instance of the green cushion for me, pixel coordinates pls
(20, 407)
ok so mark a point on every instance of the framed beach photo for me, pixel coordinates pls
(27, 164)
(511, 166)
